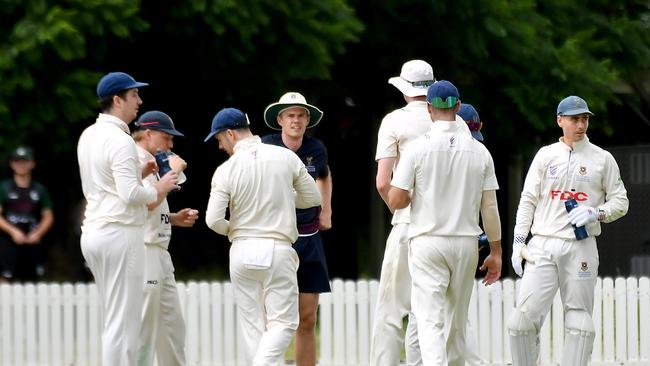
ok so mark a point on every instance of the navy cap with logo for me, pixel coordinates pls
(115, 82)
(468, 113)
(572, 106)
(22, 153)
(156, 120)
(227, 119)
(442, 95)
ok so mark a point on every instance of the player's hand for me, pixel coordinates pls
(149, 167)
(18, 236)
(177, 163)
(582, 215)
(185, 217)
(325, 220)
(516, 258)
(167, 182)
(493, 265)
(32, 238)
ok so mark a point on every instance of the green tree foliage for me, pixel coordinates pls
(44, 45)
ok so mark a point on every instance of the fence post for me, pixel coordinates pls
(597, 352)
(620, 302)
(632, 319)
(644, 318)
(608, 320)
(325, 323)
(364, 323)
(30, 322)
(82, 322)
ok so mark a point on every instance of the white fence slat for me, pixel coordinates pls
(56, 328)
(338, 308)
(68, 324)
(608, 320)
(95, 321)
(192, 323)
(19, 324)
(205, 324)
(351, 323)
(325, 321)
(229, 333)
(620, 319)
(30, 322)
(81, 303)
(5, 324)
(497, 323)
(557, 328)
(597, 351)
(364, 323)
(216, 294)
(374, 291)
(484, 345)
(644, 318)
(42, 294)
(508, 306)
(632, 314)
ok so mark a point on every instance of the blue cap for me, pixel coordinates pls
(114, 82)
(572, 106)
(442, 95)
(468, 113)
(227, 119)
(156, 120)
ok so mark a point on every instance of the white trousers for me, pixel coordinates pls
(115, 256)
(393, 304)
(163, 329)
(267, 301)
(570, 265)
(442, 270)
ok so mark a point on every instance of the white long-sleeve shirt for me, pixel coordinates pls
(158, 226)
(110, 174)
(587, 173)
(397, 130)
(261, 185)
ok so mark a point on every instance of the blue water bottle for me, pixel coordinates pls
(162, 159)
(579, 231)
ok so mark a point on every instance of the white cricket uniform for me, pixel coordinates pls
(262, 185)
(112, 236)
(163, 328)
(447, 172)
(591, 176)
(397, 129)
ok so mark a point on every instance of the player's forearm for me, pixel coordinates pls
(47, 220)
(215, 215)
(6, 226)
(398, 198)
(382, 180)
(490, 215)
(325, 188)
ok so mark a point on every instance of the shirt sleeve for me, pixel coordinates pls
(529, 197)
(322, 169)
(490, 181)
(215, 214)
(404, 175)
(46, 200)
(125, 168)
(616, 202)
(387, 142)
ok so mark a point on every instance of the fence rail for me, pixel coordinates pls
(60, 324)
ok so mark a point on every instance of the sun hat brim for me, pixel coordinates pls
(271, 114)
(407, 88)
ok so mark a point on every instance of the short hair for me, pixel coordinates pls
(106, 103)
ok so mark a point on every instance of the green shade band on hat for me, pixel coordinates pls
(438, 102)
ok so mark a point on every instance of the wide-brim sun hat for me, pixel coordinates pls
(414, 79)
(290, 100)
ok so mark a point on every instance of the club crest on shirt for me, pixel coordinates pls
(33, 194)
(582, 174)
(552, 172)
(584, 272)
(309, 164)
(452, 141)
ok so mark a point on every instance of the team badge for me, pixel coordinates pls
(34, 195)
(583, 170)
(585, 273)
(452, 141)
(583, 266)
(552, 171)
(309, 164)
(310, 160)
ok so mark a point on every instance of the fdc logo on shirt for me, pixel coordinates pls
(565, 195)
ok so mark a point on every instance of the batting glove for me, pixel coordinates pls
(517, 245)
(582, 215)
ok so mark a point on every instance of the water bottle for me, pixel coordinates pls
(579, 231)
(162, 159)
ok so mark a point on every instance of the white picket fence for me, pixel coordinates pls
(59, 324)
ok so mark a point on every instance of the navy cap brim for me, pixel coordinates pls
(211, 135)
(170, 132)
(575, 112)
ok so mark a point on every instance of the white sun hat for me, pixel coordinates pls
(415, 78)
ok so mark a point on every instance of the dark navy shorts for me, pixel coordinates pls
(312, 271)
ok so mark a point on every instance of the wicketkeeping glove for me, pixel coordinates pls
(582, 215)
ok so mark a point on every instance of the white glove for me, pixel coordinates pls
(582, 215)
(516, 258)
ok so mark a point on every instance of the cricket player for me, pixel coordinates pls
(447, 177)
(292, 115)
(112, 238)
(397, 130)
(163, 328)
(261, 185)
(574, 168)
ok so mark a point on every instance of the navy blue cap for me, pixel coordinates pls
(157, 120)
(572, 106)
(227, 118)
(468, 113)
(114, 82)
(442, 95)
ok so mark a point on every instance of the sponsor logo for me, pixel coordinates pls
(164, 218)
(565, 195)
(152, 282)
